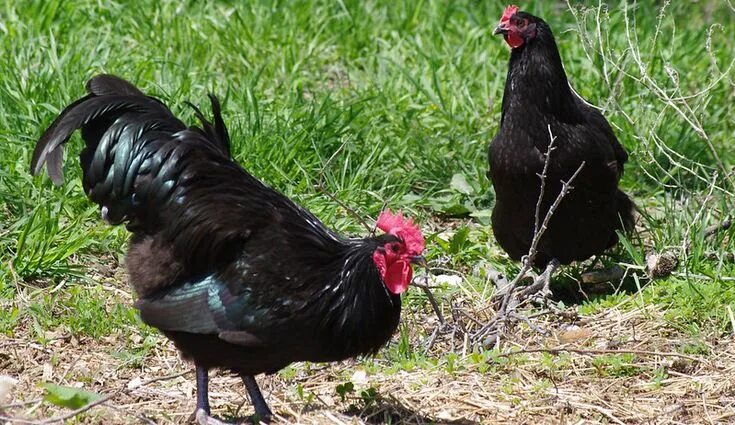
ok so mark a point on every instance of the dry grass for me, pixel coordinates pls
(639, 384)
(668, 99)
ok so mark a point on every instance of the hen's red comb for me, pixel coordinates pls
(508, 12)
(396, 225)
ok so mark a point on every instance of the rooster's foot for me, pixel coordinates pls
(203, 418)
(262, 411)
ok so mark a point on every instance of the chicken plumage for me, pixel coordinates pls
(538, 98)
(234, 273)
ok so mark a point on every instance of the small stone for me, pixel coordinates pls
(574, 333)
(446, 279)
(134, 383)
(48, 372)
(359, 377)
(6, 386)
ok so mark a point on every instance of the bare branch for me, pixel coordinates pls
(531, 256)
(537, 216)
(528, 322)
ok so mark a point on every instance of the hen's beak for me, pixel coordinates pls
(419, 260)
(500, 29)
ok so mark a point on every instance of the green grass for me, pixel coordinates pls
(411, 90)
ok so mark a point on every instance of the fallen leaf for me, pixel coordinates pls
(70, 397)
(460, 184)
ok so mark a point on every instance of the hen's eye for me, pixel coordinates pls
(394, 247)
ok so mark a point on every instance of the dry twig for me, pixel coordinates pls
(434, 304)
(711, 230)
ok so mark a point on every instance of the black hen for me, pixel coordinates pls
(234, 273)
(538, 97)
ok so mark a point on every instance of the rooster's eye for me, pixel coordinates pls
(394, 247)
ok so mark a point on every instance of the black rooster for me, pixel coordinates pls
(234, 273)
(537, 99)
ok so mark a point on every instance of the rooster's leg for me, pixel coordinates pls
(261, 407)
(203, 389)
(201, 414)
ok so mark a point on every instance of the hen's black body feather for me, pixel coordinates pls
(537, 95)
(236, 274)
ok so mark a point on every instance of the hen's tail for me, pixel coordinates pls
(132, 146)
(626, 211)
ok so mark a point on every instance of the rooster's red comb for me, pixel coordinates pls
(403, 228)
(508, 12)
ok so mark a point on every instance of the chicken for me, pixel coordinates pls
(539, 99)
(234, 273)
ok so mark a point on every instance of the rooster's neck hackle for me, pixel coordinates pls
(357, 302)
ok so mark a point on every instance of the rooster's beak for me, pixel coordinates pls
(500, 29)
(419, 260)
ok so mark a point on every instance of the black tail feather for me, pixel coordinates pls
(49, 148)
(106, 94)
(218, 130)
(136, 151)
(219, 123)
(45, 152)
(109, 85)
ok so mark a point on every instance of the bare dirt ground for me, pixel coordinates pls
(624, 366)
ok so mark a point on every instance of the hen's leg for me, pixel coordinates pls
(546, 276)
(539, 289)
(261, 407)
